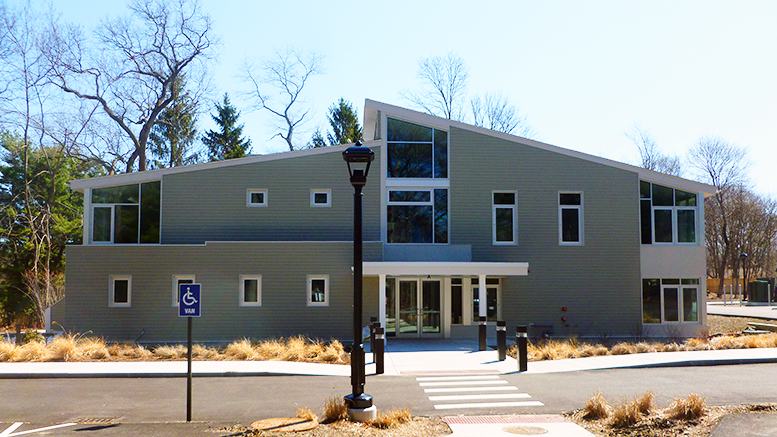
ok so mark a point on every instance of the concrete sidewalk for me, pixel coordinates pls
(735, 309)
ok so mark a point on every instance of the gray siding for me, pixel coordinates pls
(599, 282)
(284, 268)
(210, 205)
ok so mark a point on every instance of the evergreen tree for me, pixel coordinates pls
(317, 140)
(228, 142)
(172, 139)
(345, 123)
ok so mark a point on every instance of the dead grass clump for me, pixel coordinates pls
(623, 349)
(596, 407)
(624, 415)
(132, 352)
(334, 353)
(64, 348)
(690, 408)
(32, 351)
(201, 352)
(588, 350)
(296, 349)
(270, 350)
(334, 410)
(306, 414)
(644, 348)
(8, 351)
(671, 347)
(175, 352)
(391, 418)
(242, 350)
(645, 403)
(552, 350)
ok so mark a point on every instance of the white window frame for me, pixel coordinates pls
(680, 301)
(309, 292)
(112, 289)
(313, 193)
(430, 189)
(177, 278)
(513, 208)
(251, 191)
(241, 297)
(580, 215)
(91, 230)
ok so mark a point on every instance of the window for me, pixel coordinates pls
(250, 290)
(570, 219)
(670, 301)
(318, 290)
(120, 291)
(127, 214)
(493, 294)
(667, 215)
(320, 198)
(417, 216)
(177, 281)
(505, 224)
(416, 151)
(256, 197)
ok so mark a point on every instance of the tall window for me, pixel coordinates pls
(570, 218)
(128, 214)
(416, 151)
(504, 217)
(670, 301)
(250, 290)
(417, 216)
(120, 291)
(667, 215)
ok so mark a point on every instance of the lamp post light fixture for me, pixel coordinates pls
(360, 408)
(743, 257)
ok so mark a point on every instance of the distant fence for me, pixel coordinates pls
(712, 283)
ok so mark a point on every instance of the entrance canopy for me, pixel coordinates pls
(394, 268)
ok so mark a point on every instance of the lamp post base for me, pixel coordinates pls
(362, 415)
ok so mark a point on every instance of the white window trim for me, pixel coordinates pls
(241, 297)
(91, 230)
(313, 193)
(256, 190)
(310, 279)
(680, 303)
(177, 278)
(514, 209)
(112, 289)
(580, 224)
(430, 202)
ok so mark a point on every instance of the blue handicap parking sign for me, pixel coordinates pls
(189, 300)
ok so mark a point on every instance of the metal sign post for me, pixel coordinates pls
(189, 306)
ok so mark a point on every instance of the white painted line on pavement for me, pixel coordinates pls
(456, 378)
(11, 429)
(480, 397)
(9, 432)
(489, 405)
(436, 384)
(469, 389)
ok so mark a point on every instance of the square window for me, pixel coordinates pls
(320, 198)
(177, 281)
(256, 197)
(120, 291)
(318, 290)
(250, 290)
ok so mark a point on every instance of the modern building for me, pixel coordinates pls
(459, 222)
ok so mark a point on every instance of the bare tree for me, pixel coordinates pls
(277, 86)
(444, 86)
(495, 111)
(131, 70)
(651, 156)
(723, 165)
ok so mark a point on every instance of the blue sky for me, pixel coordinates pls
(584, 73)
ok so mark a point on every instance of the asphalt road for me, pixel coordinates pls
(110, 406)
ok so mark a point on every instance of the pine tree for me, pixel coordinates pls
(344, 122)
(317, 140)
(172, 139)
(227, 143)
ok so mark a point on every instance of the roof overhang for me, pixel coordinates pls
(445, 268)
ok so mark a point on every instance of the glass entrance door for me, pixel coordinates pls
(418, 307)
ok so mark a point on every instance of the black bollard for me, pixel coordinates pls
(482, 333)
(522, 340)
(373, 325)
(501, 339)
(380, 345)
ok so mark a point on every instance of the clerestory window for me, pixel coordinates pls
(127, 214)
(416, 151)
(668, 215)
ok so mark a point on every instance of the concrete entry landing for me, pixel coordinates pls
(442, 356)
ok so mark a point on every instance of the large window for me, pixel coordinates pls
(667, 215)
(417, 216)
(570, 219)
(493, 292)
(416, 151)
(120, 291)
(670, 301)
(250, 290)
(504, 217)
(128, 214)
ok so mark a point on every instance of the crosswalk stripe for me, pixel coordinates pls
(456, 378)
(440, 383)
(489, 405)
(472, 397)
(469, 389)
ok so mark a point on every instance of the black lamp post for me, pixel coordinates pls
(359, 404)
(743, 257)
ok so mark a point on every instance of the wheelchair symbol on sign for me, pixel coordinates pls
(188, 298)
